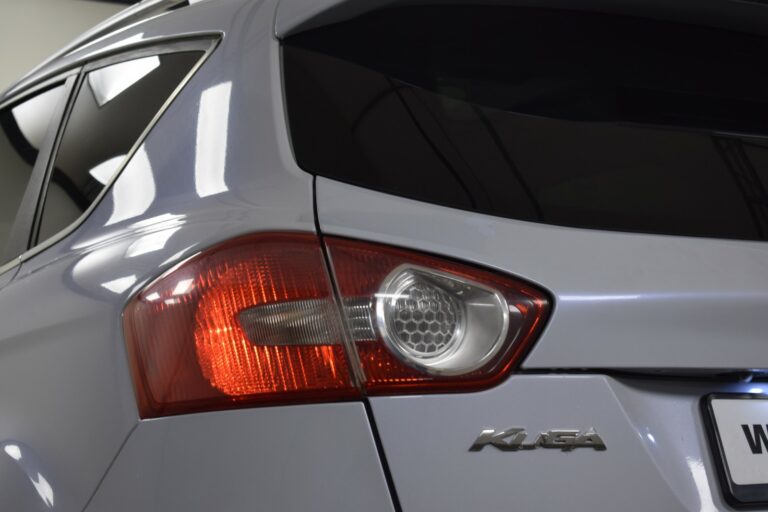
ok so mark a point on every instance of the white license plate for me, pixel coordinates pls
(738, 427)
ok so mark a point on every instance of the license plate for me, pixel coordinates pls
(738, 429)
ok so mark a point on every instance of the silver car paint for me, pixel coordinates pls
(65, 389)
(296, 15)
(622, 301)
(656, 458)
(66, 399)
(313, 457)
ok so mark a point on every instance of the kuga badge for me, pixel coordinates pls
(513, 439)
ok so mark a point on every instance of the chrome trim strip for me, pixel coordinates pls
(39, 87)
(23, 224)
(153, 42)
(100, 31)
(10, 265)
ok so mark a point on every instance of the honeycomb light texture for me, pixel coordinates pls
(426, 319)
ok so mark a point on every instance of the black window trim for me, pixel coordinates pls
(25, 234)
(46, 82)
(18, 240)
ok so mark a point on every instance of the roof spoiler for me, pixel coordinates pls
(294, 16)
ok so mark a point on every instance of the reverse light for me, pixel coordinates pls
(257, 321)
(435, 325)
(442, 324)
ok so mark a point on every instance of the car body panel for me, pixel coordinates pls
(298, 15)
(656, 456)
(296, 458)
(9, 273)
(24, 481)
(621, 301)
(66, 389)
(61, 346)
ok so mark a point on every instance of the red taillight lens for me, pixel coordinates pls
(254, 321)
(251, 321)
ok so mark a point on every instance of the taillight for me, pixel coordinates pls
(255, 321)
(433, 324)
(251, 321)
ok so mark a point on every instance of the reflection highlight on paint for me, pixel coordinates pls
(120, 284)
(43, 488)
(598, 298)
(699, 474)
(211, 143)
(32, 468)
(13, 451)
(150, 243)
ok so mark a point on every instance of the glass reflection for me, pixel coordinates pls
(667, 137)
(211, 144)
(113, 107)
(109, 82)
(23, 128)
(183, 287)
(106, 169)
(34, 115)
(134, 192)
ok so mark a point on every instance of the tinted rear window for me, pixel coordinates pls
(569, 118)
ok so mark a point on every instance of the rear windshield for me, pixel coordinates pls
(561, 117)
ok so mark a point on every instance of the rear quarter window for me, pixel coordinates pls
(113, 107)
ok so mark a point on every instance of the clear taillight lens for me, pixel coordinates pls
(255, 321)
(440, 323)
(433, 324)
